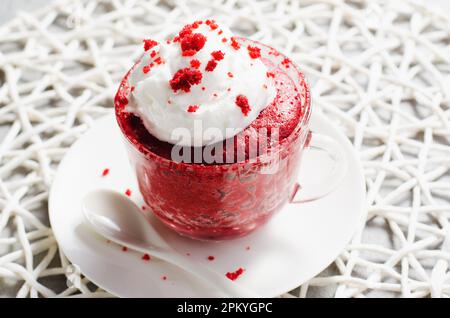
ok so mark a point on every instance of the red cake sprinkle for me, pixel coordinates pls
(196, 24)
(230, 74)
(124, 249)
(186, 30)
(218, 55)
(146, 69)
(211, 258)
(235, 275)
(159, 60)
(220, 32)
(242, 103)
(128, 192)
(153, 54)
(273, 52)
(203, 88)
(146, 257)
(286, 62)
(235, 44)
(212, 24)
(192, 43)
(148, 44)
(211, 65)
(195, 63)
(224, 40)
(105, 172)
(270, 74)
(183, 79)
(254, 51)
(192, 108)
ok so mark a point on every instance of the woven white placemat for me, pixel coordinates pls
(379, 69)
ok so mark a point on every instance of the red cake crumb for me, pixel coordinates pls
(195, 63)
(224, 40)
(128, 192)
(192, 108)
(235, 44)
(242, 103)
(270, 74)
(230, 74)
(211, 258)
(132, 89)
(215, 95)
(192, 43)
(188, 254)
(218, 55)
(212, 24)
(146, 257)
(146, 69)
(186, 30)
(105, 172)
(211, 65)
(183, 79)
(159, 60)
(148, 44)
(153, 54)
(247, 248)
(164, 277)
(143, 208)
(108, 241)
(203, 88)
(220, 32)
(286, 62)
(254, 51)
(124, 248)
(235, 275)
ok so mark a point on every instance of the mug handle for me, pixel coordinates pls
(323, 143)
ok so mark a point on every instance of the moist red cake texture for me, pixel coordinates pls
(283, 114)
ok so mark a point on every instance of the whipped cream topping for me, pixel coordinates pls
(203, 79)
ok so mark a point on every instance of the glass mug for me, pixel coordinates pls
(225, 201)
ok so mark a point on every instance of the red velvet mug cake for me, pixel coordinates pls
(215, 126)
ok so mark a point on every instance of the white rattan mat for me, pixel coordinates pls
(380, 69)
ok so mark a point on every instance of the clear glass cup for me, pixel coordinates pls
(225, 201)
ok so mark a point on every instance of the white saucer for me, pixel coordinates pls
(297, 244)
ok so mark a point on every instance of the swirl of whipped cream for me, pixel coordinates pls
(203, 79)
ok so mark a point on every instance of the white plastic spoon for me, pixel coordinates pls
(118, 219)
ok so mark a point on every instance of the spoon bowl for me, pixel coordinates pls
(120, 220)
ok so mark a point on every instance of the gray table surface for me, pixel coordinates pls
(9, 9)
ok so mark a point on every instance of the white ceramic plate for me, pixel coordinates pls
(297, 244)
